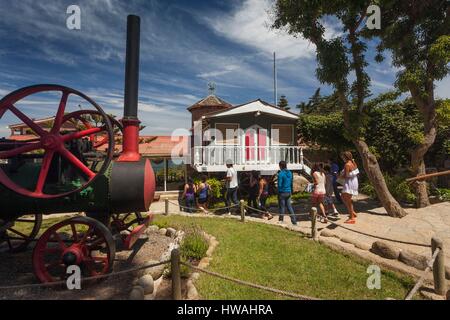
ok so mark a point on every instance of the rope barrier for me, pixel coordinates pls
(379, 237)
(57, 283)
(307, 214)
(249, 284)
(276, 214)
(422, 277)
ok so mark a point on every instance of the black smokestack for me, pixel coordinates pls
(132, 67)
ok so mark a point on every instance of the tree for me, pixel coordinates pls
(416, 34)
(283, 103)
(393, 128)
(337, 58)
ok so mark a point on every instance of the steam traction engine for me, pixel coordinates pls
(70, 166)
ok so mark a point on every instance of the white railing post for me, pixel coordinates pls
(301, 157)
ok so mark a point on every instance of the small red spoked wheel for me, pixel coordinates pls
(53, 142)
(125, 221)
(80, 241)
(88, 120)
(16, 236)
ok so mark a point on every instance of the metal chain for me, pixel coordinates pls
(249, 284)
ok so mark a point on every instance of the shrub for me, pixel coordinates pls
(443, 194)
(161, 224)
(397, 185)
(194, 244)
(216, 187)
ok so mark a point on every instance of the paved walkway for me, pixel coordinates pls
(419, 226)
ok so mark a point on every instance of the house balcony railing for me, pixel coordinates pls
(248, 156)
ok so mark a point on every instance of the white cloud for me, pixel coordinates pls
(249, 25)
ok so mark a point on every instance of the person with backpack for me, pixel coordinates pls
(203, 194)
(189, 195)
(285, 181)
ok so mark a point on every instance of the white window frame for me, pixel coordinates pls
(284, 125)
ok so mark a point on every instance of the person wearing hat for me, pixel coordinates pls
(232, 185)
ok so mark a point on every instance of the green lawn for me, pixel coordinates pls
(272, 256)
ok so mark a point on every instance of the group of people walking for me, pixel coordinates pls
(325, 184)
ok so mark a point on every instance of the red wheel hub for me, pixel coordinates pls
(78, 241)
(51, 142)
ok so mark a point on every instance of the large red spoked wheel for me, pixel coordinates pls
(53, 141)
(85, 119)
(80, 241)
(16, 236)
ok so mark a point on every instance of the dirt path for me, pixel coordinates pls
(17, 270)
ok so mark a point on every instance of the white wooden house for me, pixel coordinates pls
(255, 136)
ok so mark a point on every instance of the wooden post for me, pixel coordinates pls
(313, 223)
(440, 285)
(176, 276)
(166, 207)
(242, 204)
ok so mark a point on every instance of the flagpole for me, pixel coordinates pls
(274, 80)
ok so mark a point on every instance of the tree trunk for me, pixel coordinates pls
(372, 167)
(375, 176)
(427, 108)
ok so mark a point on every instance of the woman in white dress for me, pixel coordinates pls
(350, 189)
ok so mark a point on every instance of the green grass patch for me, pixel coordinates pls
(275, 257)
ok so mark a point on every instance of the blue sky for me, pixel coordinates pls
(184, 45)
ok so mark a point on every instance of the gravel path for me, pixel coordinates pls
(17, 270)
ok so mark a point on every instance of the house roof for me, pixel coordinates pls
(38, 121)
(210, 101)
(159, 146)
(164, 145)
(254, 106)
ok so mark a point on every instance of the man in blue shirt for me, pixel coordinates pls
(285, 192)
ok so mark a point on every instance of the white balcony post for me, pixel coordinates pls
(301, 157)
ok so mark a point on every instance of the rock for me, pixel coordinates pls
(448, 295)
(192, 293)
(299, 183)
(347, 240)
(327, 233)
(447, 273)
(430, 295)
(155, 272)
(171, 232)
(413, 259)
(204, 263)
(152, 228)
(146, 282)
(163, 231)
(362, 245)
(385, 250)
(195, 276)
(137, 293)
